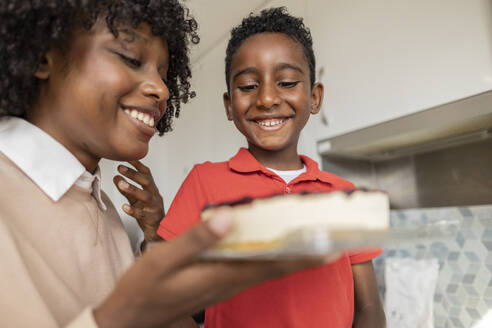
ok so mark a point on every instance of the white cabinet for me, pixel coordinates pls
(384, 59)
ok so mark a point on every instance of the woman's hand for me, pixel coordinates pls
(169, 282)
(145, 205)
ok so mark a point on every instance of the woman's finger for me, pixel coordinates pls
(143, 179)
(130, 191)
(140, 167)
(122, 186)
(128, 209)
(185, 248)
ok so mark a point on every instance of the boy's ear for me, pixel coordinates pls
(45, 66)
(227, 105)
(317, 94)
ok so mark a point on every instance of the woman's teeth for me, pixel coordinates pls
(271, 122)
(142, 117)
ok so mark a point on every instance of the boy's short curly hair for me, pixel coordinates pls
(276, 20)
(28, 28)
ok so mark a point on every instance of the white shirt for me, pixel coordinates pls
(289, 175)
(45, 161)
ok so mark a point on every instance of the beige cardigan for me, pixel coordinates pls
(58, 260)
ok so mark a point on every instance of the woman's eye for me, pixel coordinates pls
(135, 63)
(248, 87)
(289, 84)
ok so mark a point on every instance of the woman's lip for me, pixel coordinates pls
(141, 126)
(153, 112)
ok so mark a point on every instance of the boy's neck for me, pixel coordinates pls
(282, 160)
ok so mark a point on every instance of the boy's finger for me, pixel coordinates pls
(186, 247)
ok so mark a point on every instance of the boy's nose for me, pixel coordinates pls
(156, 88)
(267, 97)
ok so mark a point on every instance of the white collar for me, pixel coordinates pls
(92, 182)
(289, 175)
(44, 160)
(288, 172)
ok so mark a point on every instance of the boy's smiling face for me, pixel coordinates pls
(104, 96)
(271, 98)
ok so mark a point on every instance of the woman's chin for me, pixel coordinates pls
(132, 154)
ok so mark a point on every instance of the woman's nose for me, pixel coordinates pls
(154, 87)
(267, 96)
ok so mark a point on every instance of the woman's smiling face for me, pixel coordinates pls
(104, 97)
(270, 97)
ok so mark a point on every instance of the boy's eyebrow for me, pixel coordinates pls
(278, 67)
(283, 66)
(244, 71)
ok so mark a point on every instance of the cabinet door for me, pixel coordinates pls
(383, 59)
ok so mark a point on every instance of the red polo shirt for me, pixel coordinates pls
(319, 297)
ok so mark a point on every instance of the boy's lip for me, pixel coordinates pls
(269, 117)
(271, 123)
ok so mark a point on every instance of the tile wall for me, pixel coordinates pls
(464, 289)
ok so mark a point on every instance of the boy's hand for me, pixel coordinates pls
(146, 204)
(168, 282)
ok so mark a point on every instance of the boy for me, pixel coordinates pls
(81, 81)
(271, 92)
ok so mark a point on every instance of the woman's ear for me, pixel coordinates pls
(317, 97)
(45, 66)
(227, 105)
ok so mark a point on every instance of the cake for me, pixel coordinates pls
(264, 222)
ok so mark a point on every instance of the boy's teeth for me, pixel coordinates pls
(143, 117)
(270, 122)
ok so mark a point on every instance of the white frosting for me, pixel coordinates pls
(271, 218)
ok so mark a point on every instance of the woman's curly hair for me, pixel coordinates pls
(276, 20)
(28, 28)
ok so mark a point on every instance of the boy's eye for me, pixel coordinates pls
(135, 63)
(248, 87)
(287, 84)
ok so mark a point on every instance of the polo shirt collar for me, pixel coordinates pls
(44, 160)
(245, 162)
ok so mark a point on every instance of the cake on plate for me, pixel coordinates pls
(263, 223)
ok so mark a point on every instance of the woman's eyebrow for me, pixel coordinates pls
(133, 36)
